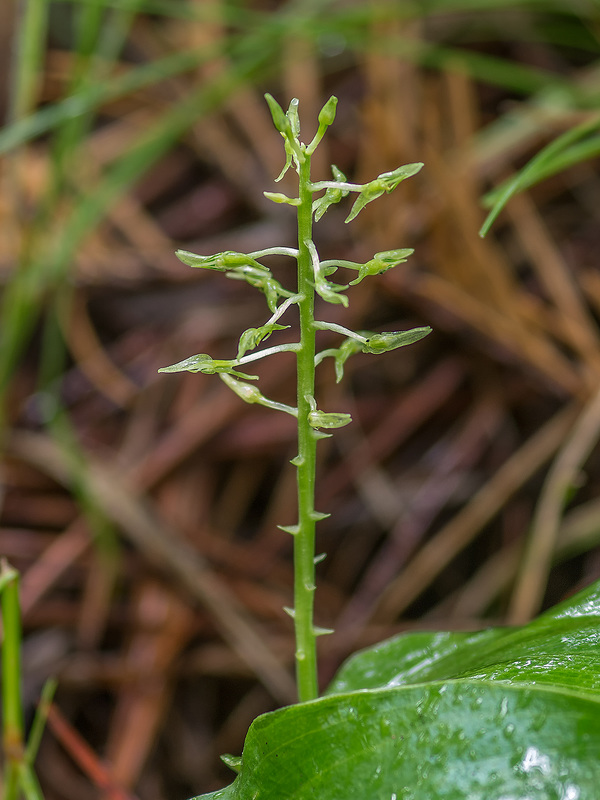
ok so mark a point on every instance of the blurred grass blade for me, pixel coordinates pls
(39, 720)
(28, 57)
(28, 288)
(94, 96)
(100, 37)
(560, 154)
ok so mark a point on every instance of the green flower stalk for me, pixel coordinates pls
(312, 279)
(19, 779)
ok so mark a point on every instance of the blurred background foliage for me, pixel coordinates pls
(141, 509)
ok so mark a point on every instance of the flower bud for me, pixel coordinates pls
(280, 120)
(327, 113)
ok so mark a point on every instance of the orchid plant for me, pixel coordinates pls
(313, 279)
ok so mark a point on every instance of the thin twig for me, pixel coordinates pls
(166, 550)
(533, 577)
(464, 527)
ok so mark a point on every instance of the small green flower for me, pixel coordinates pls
(327, 113)
(348, 348)
(219, 261)
(396, 176)
(385, 182)
(280, 119)
(331, 195)
(381, 262)
(293, 117)
(208, 366)
(383, 342)
(261, 278)
(252, 337)
(331, 292)
(325, 119)
(288, 126)
(279, 197)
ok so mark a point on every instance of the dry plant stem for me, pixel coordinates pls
(163, 547)
(579, 531)
(427, 564)
(304, 540)
(536, 565)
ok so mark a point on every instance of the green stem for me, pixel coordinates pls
(290, 347)
(304, 540)
(12, 709)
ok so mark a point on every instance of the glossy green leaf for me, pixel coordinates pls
(560, 648)
(233, 762)
(503, 714)
(454, 741)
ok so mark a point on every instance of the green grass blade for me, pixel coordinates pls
(561, 153)
(39, 720)
(29, 57)
(12, 703)
(25, 292)
(94, 96)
